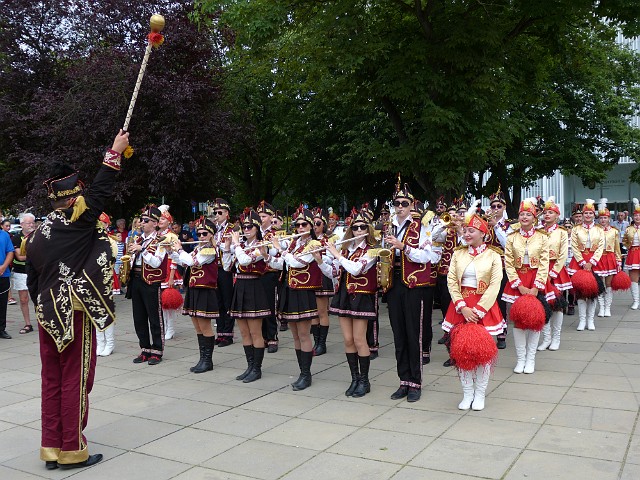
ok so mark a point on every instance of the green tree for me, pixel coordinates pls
(443, 89)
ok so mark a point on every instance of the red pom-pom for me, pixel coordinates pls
(585, 284)
(527, 313)
(156, 39)
(171, 299)
(472, 346)
(620, 282)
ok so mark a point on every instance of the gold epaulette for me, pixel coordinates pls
(560, 227)
(428, 215)
(496, 249)
(542, 230)
(208, 251)
(79, 207)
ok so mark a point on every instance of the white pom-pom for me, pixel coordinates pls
(552, 199)
(602, 205)
(163, 208)
(635, 202)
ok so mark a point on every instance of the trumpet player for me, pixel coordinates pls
(297, 302)
(408, 298)
(356, 299)
(270, 279)
(221, 210)
(149, 268)
(201, 300)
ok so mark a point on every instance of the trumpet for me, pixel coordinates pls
(315, 250)
(445, 218)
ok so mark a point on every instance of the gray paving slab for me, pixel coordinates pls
(578, 413)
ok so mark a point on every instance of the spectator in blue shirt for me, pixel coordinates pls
(6, 257)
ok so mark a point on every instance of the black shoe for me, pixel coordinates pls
(225, 341)
(373, 354)
(284, 326)
(443, 340)
(502, 343)
(4, 334)
(154, 360)
(143, 357)
(449, 363)
(92, 460)
(414, 394)
(571, 310)
(426, 358)
(272, 348)
(402, 392)
(51, 465)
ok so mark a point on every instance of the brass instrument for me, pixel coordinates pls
(125, 269)
(445, 218)
(384, 269)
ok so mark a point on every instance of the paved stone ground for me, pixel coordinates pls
(575, 417)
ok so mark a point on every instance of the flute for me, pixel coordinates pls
(335, 244)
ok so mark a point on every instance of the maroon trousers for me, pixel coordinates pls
(67, 380)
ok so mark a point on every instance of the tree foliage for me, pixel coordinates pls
(438, 89)
(68, 70)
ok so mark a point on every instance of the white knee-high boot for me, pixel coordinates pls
(601, 304)
(591, 313)
(482, 381)
(582, 314)
(101, 342)
(556, 330)
(635, 294)
(520, 342)
(110, 336)
(608, 300)
(532, 347)
(546, 336)
(169, 323)
(466, 379)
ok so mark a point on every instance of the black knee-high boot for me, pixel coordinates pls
(364, 386)
(305, 371)
(315, 332)
(256, 372)
(321, 348)
(352, 360)
(207, 361)
(201, 348)
(248, 353)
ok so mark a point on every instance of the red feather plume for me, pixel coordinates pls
(528, 313)
(585, 285)
(621, 282)
(472, 346)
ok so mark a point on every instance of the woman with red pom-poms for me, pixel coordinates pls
(201, 300)
(526, 257)
(559, 279)
(611, 260)
(631, 240)
(474, 278)
(587, 245)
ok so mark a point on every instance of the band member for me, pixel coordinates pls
(149, 268)
(576, 219)
(320, 326)
(631, 241)
(333, 222)
(587, 244)
(474, 280)
(407, 298)
(611, 260)
(249, 304)
(69, 277)
(173, 278)
(277, 222)
(106, 340)
(201, 300)
(356, 300)
(270, 279)
(558, 280)
(297, 302)
(500, 227)
(224, 291)
(526, 257)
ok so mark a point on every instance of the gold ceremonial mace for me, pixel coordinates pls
(154, 39)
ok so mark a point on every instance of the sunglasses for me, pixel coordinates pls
(203, 234)
(403, 203)
(219, 212)
(247, 227)
(145, 220)
(496, 206)
(301, 224)
(318, 224)
(359, 227)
